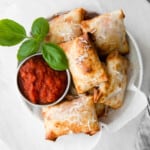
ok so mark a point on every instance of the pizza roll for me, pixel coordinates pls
(66, 26)
(84, 64)
(113, 91)
(108, 32)
(74, 116)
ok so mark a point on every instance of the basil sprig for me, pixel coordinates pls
(12, 33)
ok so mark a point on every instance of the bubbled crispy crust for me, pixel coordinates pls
(74, 116)
(114, 89)
(108, 32)
(85, 66)
(66, 26)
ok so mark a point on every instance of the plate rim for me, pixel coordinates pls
(140, 60)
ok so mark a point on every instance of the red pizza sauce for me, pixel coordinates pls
(39, 83)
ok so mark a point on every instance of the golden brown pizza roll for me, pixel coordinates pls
(66, 26)
(113, 91)
(84, 64)
(74, 116)
(108, 32)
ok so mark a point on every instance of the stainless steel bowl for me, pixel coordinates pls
(41, 105)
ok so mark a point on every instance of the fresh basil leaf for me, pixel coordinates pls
(27, 48)
(11, 33)
(40, 28)
(54, 56)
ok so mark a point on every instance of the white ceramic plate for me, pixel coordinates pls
(118, 118)
(114, 121)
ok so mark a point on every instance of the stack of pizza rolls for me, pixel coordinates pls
(96, 49)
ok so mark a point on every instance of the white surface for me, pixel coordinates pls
(137, 22)
(143, 136)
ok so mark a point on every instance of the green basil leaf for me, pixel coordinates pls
(54, 56)
(40, 28)
(11, 33)
(27, 48)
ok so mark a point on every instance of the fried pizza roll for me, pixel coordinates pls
(66, 26)
(74, 116)
(108, 32)
(113, 91)
(84, 64)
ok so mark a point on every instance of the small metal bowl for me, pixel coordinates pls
(41, 105)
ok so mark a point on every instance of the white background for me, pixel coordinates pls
(15, 128)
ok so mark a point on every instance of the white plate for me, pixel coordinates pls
(118, 118)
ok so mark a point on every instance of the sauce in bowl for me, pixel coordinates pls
(39, 83)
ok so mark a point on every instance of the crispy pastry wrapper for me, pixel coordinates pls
(108, 31)
(85, 66)
(113, 91)
(74, 116)
(65, 27)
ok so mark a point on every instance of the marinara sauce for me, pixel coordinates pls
(39, 83)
